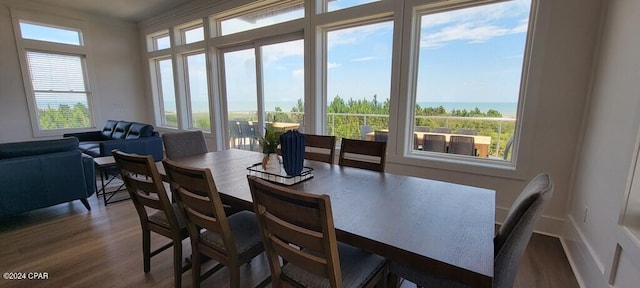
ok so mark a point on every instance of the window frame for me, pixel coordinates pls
(25, 45)
(187, 90)
(404, 152)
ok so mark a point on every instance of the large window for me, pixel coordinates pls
(165, 92)
(278, 12)
(358, 68)
(196, 74)
(469, 63)
(273, 94)
(55, 62)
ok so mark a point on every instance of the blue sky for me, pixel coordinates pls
(468, 55)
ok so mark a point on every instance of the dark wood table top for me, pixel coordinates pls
(443, 228)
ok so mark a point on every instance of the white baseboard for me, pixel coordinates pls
(546, 225)
(586, 265)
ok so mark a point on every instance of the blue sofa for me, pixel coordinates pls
(130, 137)
(39, 174)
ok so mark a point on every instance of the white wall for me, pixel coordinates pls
(605, 161)
(118, 83)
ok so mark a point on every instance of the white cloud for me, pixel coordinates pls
(476, 24)
(467, 32)
(332, 65)
(298, 73)
(361, 59)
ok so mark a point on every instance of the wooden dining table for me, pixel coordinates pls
(440, 228)
(481, 143)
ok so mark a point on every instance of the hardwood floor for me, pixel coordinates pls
(102, 248)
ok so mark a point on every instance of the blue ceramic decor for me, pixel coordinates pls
(292, 147)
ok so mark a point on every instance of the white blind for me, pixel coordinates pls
(60, 90)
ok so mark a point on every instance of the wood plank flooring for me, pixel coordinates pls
(102, 248)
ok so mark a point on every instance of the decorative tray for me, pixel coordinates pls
(279, 178)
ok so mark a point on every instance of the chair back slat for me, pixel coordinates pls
(320, 142)
(282, 224)
(434, 143)
(199, 199)
(463, 145)
(145, 187)
(374, 149)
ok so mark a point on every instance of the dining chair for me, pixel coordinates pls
(156, 213)
(463, 145)
(364, 130)
(434, 143)
(365, 150)
(232, 241)
(445, 130)
(507, 148)
(298, 227)
(509, 243)
(248, 134)
(184, 144)
(380, 136)
(322, 148)
(234, 132)
(464, 131)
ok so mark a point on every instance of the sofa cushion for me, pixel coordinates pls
(107, 131)
(30, 148)
(137, 130)
(120, 131)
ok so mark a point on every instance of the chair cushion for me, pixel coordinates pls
(137, 130)
(107, 131)
(161, 219)
(120, 131)
(244, 230)
(357, 267)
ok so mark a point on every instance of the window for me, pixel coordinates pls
(264, 16)
(358, 68)
(59, 94)
(332, 5)
(160, 42)
(277, 98)
(165, 92)
(45, 33)
(198, 95)
(469, 63)
(59, 89)
(193, 34)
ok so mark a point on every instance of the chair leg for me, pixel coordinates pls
(195, 266)
(234, 276)
(146, 249)
(85, 202)
(177, 263)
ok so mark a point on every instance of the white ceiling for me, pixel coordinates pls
(128, 10)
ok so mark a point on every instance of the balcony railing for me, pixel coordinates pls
(347, 125)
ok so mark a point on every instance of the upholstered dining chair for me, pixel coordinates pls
(232, 241)
(369, 149)
(184, 144)
(323, 148)
(289, 220)
(156, 213)
(380, 136)
(364, 130)
(434, 143)
(509, 243)
(463, 145)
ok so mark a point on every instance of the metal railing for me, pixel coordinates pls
(347, 125)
